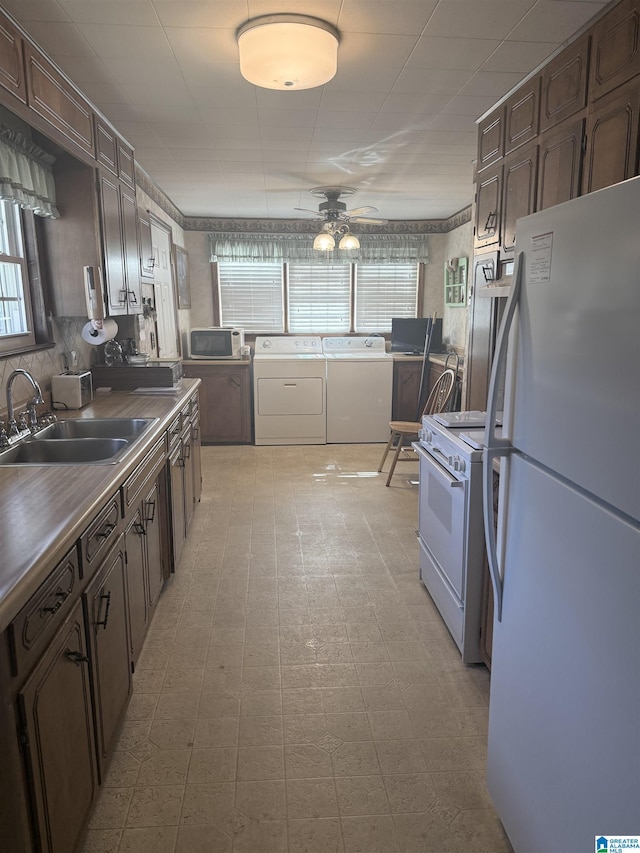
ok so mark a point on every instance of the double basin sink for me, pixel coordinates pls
(80, 441)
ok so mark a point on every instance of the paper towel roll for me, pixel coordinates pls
(97, 332)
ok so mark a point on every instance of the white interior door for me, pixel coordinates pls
(163, 290)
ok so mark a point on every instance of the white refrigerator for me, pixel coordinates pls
(563, 764)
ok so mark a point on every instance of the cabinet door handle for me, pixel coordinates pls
(234, 382)
(490, 224)
(122, 299)
(105, 596)
(139, 528)
(150, 506)
(76, 657)
(132, 297)
(187, 451)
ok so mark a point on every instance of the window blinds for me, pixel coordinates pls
(251, 296)
(319, 298)
(384, 291)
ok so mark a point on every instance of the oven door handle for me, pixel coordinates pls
(495, 447)
(442, 472)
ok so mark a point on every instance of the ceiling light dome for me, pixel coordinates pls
(288, 51)
(324, 242)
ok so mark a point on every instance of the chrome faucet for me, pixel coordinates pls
(13, 428)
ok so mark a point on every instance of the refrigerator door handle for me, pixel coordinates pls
(495, 447)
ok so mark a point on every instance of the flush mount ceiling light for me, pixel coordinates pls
(287, 51)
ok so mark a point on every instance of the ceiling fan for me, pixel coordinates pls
(335, 211)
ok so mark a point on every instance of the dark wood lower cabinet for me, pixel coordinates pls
(406, 387)
(156, 570)
(225, 401)
(176, 484)
(108, 630)
(58, 739)
(135, 558)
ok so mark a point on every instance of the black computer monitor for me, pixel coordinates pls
(408, 334)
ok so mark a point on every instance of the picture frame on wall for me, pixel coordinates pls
(182, 277)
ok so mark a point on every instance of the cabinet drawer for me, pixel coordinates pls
(144, 473)
(173, 433)
(36, 623)
(99, 536)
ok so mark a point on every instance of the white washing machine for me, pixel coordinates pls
(289, 390)
(359, 390)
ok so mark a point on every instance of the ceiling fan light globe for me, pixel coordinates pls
(288, 52)
(324, 242)
(349, 241)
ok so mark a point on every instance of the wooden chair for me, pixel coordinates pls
(402, 431)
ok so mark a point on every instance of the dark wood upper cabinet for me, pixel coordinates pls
(54, 99)
(615, 48)
(147, 261)
(488, 207)
(126, 169)
(564, 84)
(612, 139)
(106, 149)
(519, 192)
(522, 115)
(11, 61)
(491, 139)
(560, 163)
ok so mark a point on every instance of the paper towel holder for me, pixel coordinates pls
(99, 328)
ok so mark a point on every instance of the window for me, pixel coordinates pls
(251, 296)
(319, 298)
(316, 298)
(16, 327)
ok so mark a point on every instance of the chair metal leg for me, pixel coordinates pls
(386, 451)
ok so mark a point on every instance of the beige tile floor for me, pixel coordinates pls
(298, 691)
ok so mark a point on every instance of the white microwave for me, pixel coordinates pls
(216, 342)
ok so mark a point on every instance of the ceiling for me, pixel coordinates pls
(397, 122)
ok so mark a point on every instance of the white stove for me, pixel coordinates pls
(450, 528)
(289, 390)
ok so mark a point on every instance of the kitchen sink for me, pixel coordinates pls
(127, 428)
(81, 441)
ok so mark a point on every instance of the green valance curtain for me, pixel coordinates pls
(26, 176)
(298, 248)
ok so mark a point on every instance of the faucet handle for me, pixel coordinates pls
(4, 438)
(32, 413)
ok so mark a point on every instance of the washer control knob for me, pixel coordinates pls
(266, 344)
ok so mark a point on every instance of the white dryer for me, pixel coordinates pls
(359, 389)
(289, 390)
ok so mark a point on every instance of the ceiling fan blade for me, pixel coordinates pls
(312, 212)
(368, 220)
(356, 211)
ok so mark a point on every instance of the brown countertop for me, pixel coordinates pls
(44, 510)
(434, 358)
